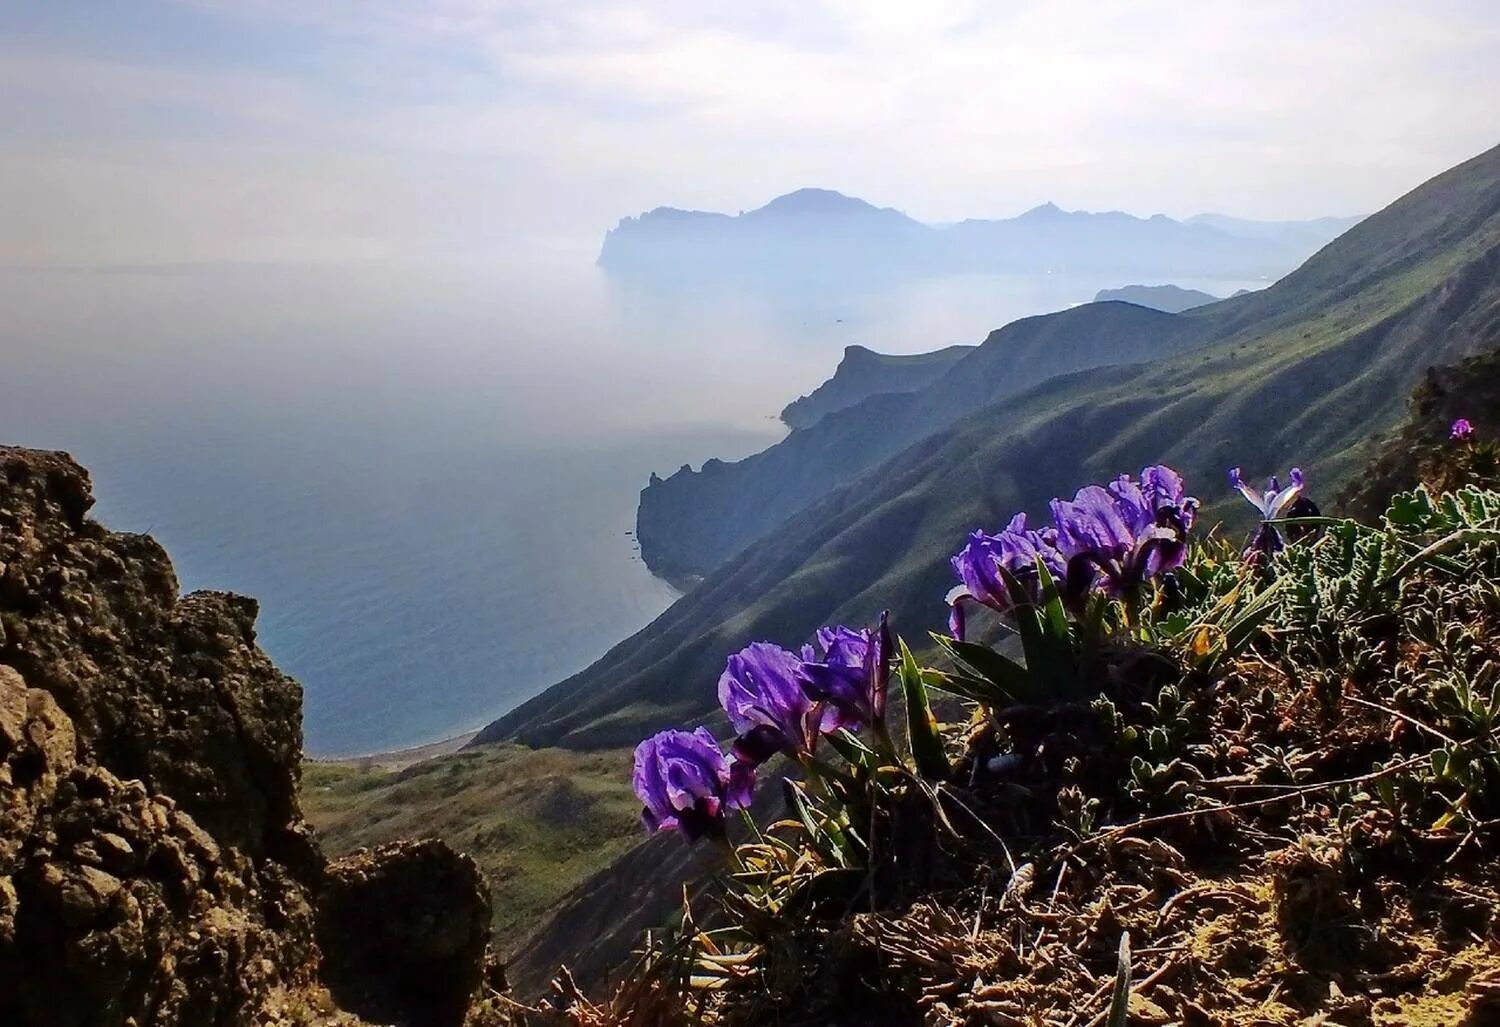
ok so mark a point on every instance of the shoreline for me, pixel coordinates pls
(397, 759)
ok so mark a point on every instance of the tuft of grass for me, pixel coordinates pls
(537, 821)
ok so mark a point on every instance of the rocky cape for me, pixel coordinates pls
(155, 868)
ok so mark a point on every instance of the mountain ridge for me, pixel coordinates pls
(862, 373)
(1304, 371)
(689, 523)
(809, 225)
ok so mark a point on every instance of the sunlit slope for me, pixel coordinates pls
(693, 521)
(1305, 372)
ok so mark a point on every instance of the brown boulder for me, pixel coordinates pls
(114, 906)
(403, 931)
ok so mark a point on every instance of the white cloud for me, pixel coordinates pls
(420, 124)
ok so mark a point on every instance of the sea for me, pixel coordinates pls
(426, 469)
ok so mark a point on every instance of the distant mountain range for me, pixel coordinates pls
(1170, 298)
(810, 228)
(860, 511)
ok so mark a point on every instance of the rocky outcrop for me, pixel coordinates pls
(116, 907)
(1420, 450)
(406, 927)
(863, 373)
(154, 865)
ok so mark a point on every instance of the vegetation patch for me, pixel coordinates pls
(537, 821)
(1214, 786)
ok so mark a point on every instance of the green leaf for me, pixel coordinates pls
(1462, 537)
(1054, 615)
(926, 746)
(1046, 639)
(1011, 681)
(825, 837)
(855, 752)
(965, 686)
(1238, 634)
(1409, 509)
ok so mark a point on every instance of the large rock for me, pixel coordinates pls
(171, 691)
(405, 928)
(155, 870)
(116, 907)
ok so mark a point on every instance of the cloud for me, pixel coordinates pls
(381, 124)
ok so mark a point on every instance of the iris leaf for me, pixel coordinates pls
(926, 745)
(855, 752)
(1009, 681)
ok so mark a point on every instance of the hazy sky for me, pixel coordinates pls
(186, 130)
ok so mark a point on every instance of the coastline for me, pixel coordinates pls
(398, 759)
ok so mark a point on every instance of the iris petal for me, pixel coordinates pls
(683, 781)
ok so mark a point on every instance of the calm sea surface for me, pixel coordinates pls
(427, 471)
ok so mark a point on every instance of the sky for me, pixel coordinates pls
(186, 131)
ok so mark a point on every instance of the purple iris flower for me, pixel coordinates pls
(761, 691)
(1275, 502)
(978, 565)
(1462, 430)
(851, 676)
(1117, 537)
(685, 783)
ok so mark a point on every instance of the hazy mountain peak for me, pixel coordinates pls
(1045, 210)
(815, 201)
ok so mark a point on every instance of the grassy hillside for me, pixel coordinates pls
(537, 821)
(1304, 372)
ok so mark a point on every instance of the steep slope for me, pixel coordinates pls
(691, 522)
(1422, 449)
(1302, 372)
(863, 373)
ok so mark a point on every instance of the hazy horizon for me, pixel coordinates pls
(311, 287)
(191, 131)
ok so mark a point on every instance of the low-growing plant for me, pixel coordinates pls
(1145, 680)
